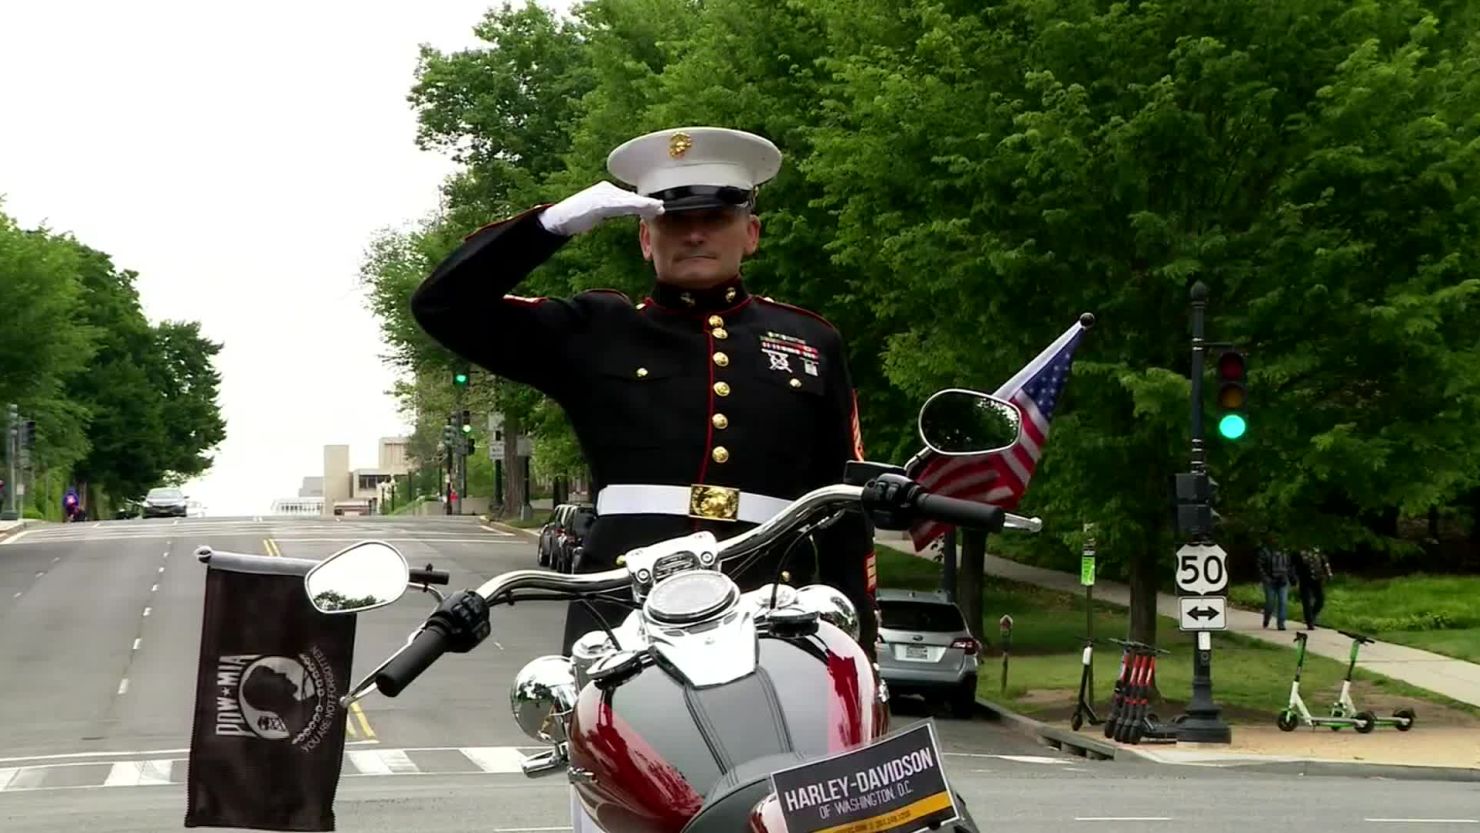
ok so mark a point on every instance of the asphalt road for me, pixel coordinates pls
(99, 638)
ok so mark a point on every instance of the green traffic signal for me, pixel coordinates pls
(1232, 426)
(459, 378)
(467, 429)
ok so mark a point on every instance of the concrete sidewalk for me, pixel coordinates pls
(1453, 678)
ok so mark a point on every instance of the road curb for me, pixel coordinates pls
(19, 527)
(1078, 744)
(1052, 736)
(493, 525)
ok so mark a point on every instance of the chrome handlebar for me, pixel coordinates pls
(833, 497)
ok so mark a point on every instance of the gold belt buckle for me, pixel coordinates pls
(714, 503)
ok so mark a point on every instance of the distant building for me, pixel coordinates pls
(358, 491)
(341, 490)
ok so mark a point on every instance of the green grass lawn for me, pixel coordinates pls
(1435, 613)
(1251, 679)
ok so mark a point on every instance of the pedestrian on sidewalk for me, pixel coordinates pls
(1311, 571)
(1275, 573)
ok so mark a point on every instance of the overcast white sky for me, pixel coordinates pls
(239, 158)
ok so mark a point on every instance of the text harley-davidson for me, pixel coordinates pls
(675, 719)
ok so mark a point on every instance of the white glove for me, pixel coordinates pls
(583, 211)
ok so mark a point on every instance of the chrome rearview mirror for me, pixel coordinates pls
(361, 577)
(962, 422)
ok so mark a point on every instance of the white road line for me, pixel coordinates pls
(527, 829)
(16, 596)
(161, 569)
(55, 560)
(1031, 759)
(114, 754)
(123, 686)
(494, 758)
(166, 554)
(1423, 821)
(136, 643)
(176, 523)
(146, 610)
(6, 774)
(1122, 818)
(40, 573)
(98, 524)
(154, 588)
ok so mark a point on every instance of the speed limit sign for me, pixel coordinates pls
(1202, 569)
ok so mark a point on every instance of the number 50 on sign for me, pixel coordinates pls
(1201, 569)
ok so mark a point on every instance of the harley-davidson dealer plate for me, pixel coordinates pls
(893, 785)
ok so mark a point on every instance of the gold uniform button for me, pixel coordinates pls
(716, 321)
(719, 333)
(795, 382)
(721, 421)
(720, 454)
(642, 373)
(642, 305)
(722, 388)
(721, 359)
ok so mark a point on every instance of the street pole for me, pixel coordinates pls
(948, 571)
(1204, 722)
(12, 446)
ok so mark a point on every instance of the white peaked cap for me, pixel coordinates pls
(689, 156)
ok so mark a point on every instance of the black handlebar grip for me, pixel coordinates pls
(430, 576)
(960, 512)
(406, 666)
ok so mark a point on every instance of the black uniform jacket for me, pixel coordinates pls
(716, 387)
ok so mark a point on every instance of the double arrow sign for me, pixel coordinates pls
(1201, 572)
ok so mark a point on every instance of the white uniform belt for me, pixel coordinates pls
(716, 503)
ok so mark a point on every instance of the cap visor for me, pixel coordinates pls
(702, 202)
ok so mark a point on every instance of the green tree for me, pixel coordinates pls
(996, 170)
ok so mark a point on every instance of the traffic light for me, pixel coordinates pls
(472, 445)
(1233, 395)
(449, 433)
(28, 434)
(467, 421)
(460, 377)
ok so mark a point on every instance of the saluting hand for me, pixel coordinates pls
(582, 211)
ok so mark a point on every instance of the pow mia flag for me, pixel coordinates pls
(268, 741)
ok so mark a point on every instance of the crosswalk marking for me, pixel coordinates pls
(383, 762)
(496, 761)
(495, 758)
(139, 773)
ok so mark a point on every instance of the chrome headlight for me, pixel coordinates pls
(831, 605)
(542, 696)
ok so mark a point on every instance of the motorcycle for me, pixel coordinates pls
(682, 717)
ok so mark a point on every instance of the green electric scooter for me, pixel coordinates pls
(1343, 707)
(1296, 713)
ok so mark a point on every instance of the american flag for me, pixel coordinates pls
(1001, 478)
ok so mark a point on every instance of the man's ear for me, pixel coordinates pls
(645, 240)
(752, 234)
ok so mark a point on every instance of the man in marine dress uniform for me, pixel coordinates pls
(702, 407)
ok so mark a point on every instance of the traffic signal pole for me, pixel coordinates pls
(1204, 722)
